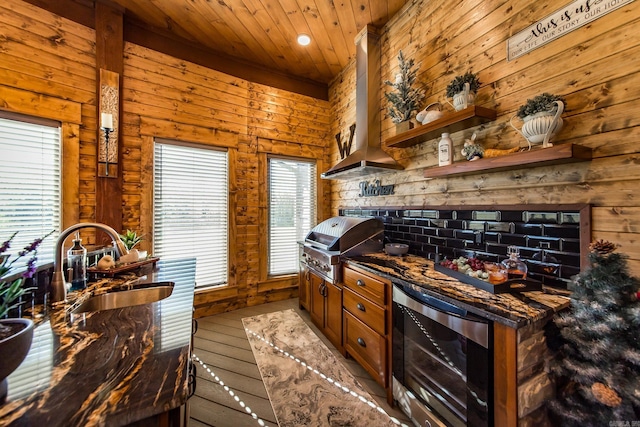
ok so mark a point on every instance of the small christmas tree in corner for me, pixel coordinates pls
(405, 99)
(597, 365)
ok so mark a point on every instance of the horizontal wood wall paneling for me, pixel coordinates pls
(617, 219)
(285, 283)
(188, 133)
(141, 91)
(600, 101)
(58, 32)
(213, 83)
(26, 102)
(80, 11)
(172, 98)
(289, 148)
(49, 57)
(627, 242)
(40, 79)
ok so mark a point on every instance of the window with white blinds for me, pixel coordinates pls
(191, 208)
(30, 183)
(292, 211)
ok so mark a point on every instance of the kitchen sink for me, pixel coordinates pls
(128, 298)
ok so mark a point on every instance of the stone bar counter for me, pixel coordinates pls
(521, 385)
(514, 310)
(111, 367)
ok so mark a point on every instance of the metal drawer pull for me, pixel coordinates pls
(361, 342)
(360, 282)
(360, 307)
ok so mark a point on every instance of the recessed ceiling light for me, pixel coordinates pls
(303, 39)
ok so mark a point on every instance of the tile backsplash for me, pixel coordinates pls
(548, 237)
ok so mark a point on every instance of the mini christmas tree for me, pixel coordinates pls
(405, 99)
(598, 361)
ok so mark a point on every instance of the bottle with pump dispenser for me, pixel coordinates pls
(77, 264)
(445, 150)
(516, 268)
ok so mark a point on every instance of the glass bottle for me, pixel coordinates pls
(445, 150)
(516, 268)
(77, 264)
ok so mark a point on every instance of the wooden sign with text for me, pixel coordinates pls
(559, 23)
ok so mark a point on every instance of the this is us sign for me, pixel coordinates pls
(559, 23)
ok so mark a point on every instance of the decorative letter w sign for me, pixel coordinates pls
(345, 148)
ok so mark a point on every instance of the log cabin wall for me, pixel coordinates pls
(596, 68)
(48, 69)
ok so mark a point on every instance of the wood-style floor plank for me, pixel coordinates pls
(221, 343)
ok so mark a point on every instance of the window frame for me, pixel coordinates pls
(150, 129)
(177, 142)
(314, 221)
(283, 149)
(68, 115)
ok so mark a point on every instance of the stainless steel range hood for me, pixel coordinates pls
(368, 158)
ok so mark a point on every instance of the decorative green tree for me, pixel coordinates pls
(598, 361)
(405, 99)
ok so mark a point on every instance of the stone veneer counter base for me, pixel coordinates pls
(306, 384)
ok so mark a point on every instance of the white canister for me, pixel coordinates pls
(445, 150)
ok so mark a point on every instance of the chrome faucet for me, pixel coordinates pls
(58, 282)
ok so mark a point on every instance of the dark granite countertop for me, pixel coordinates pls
(514, 310)
(109, 367)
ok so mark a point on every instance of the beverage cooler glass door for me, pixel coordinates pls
(442, 356)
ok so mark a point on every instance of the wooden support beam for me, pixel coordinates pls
(109, 56)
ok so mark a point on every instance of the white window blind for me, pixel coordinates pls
(191, 208)
(30, 184)
(292, 211)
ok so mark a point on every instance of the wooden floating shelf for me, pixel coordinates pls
(558, 154)
(451, 123)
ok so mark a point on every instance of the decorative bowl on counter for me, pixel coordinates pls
(396, 248)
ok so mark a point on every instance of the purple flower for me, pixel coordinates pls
(7, 244)
(33, 246)
(31, 267)
(6, 265)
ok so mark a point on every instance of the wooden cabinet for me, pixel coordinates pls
(367, 323)
(304, 287)
(325, 308)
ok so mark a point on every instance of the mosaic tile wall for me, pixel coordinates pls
(548, 240)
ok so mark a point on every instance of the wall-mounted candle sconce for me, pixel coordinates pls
(106, 124)
(108, 133)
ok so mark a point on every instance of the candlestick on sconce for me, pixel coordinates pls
(108, 134)
(106, 124)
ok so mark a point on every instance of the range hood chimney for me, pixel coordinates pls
(368, 157)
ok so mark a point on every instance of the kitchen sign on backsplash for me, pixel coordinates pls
(559, 23)
(375, 189)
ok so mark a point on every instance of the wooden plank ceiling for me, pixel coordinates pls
(264, 32)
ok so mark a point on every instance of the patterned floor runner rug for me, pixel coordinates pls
(306, 384)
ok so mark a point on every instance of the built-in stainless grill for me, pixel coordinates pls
(337, 237)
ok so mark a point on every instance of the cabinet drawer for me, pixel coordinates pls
(366, 346)
(369, 313)
(364, 285)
